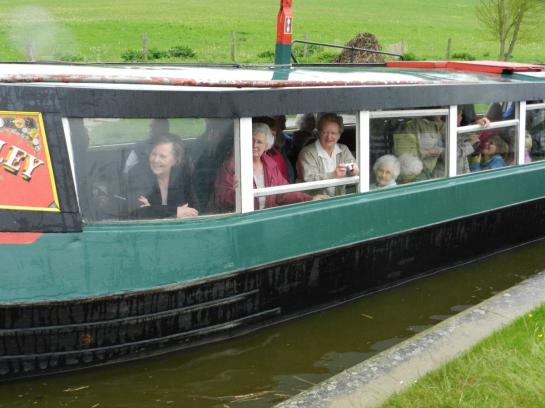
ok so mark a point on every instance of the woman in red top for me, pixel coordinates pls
(266, 174)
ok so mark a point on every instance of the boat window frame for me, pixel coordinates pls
(530, 107)
(243, 145)
(246, 194)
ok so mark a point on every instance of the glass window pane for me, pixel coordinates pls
(148, 168)
(407, 149)
(535, 135)
(489, 148)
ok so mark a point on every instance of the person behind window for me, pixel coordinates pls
(306, 134)
(142, 149)
(266, 174)
(278, 151)
(162, 187)
(325, 158)
(493, 154)
(207, 154)
(423, 137)
(386, 170)
(466, 143)
(410, 169)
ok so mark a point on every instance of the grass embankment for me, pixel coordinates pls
(104, 30)
(504, 370)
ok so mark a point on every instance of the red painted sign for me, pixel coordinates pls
(284, 23)
(26, 175)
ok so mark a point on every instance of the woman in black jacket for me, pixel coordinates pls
(162, 187)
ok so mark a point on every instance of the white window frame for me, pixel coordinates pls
(520, 114)
(244, 165)
(363, 150)
(319, 184)
(452, 142)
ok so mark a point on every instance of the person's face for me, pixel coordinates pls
(490, 148)
(259, 145)
(329, 135)
(162, 159)
(384, 175)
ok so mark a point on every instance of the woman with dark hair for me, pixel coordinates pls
(162, 187)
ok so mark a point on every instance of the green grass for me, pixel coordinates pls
(102, 30)
(114, 131)
(505, 370)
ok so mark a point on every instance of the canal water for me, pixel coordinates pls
(268, 366)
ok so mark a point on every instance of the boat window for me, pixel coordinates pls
(148, 168)
(535, 132)
(407, 146)
(486, 136)
(303, 157)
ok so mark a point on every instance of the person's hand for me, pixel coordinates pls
(143, 201)
(355, 169)
(340, 171)
(435, 151)
(484, 121)
(184, 211)
(473, 139)
(320, 197)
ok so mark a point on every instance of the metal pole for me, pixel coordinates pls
(282, 54)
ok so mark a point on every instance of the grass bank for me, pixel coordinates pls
(105, 30)
(505, 370)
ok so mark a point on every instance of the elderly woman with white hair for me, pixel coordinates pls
(266, 174)
(411, 168)
(386, 170)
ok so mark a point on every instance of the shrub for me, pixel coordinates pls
(181, 51)
(409, 56)
(327, 56)
(266, 54)
(464, 56)
(132, 56)
(311, 50)
(69, 57)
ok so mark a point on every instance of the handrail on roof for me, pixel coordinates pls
(345, 47)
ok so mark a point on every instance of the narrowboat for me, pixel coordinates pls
(92, 275)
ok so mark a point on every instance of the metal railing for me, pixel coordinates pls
(344, 47)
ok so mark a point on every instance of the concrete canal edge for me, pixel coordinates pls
(371, 382)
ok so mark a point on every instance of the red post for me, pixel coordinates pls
(284, 29)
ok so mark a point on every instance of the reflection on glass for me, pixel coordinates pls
(535, 137)
(148, 168)
(330, 156)
(409, 148)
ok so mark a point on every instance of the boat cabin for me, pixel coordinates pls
(136, 217)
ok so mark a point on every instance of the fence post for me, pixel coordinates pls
(145, 46)
(305, 46)
(449, 48)
(234, 46)
(29, 50)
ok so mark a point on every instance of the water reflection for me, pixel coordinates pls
(266, 367)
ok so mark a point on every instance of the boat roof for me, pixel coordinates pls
(247, 77)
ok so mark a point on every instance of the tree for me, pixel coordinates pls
(504, 19)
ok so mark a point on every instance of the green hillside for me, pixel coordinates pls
(102, 30)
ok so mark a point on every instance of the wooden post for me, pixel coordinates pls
(145, 46)
(449, 48)
(233, 46)
(305, 47)
(29, 50)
